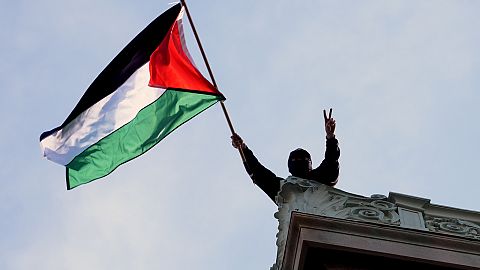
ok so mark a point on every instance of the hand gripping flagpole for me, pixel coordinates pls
(184, 4)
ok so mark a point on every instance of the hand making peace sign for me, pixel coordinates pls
(329, 124)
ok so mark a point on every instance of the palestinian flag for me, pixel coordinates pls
(148, 90)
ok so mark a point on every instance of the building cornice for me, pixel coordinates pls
(401, 211)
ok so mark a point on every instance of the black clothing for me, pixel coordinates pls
(326, 173)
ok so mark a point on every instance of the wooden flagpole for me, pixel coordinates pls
(184, 4)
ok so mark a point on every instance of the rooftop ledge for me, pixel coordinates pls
(403, 213)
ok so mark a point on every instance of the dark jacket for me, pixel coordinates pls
(326, 173)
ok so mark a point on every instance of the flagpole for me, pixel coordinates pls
(184, 4)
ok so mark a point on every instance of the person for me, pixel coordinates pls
(299, 163)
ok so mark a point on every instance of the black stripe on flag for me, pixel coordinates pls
(132, 57)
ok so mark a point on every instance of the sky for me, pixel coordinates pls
(401, 77)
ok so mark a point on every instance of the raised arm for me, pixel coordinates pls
(260, 175)
(328, 171)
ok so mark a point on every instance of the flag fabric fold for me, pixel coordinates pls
(147, 91)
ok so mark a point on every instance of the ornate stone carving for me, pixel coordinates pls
(453, 226)
(400, 210)
(310, 197)
(366, 209)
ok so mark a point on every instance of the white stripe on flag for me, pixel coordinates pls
(103, 118)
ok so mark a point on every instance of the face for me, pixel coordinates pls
(296, 160)
(300, 166)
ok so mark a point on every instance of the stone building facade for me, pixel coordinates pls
(321, 227)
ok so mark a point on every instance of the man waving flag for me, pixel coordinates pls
(148, 90)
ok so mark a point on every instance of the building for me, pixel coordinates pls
(321, 227)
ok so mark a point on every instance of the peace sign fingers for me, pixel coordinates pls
(329, 115)
(329, 123)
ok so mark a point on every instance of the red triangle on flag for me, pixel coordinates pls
(170, 67)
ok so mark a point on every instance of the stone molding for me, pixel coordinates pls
(439, 251)
(397, 210)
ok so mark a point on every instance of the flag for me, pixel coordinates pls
(147, 91)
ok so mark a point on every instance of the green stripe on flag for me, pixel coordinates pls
(150, 126)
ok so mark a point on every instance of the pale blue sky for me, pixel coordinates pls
(401, 76)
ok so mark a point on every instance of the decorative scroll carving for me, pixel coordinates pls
(453, 226)
(368, 210)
